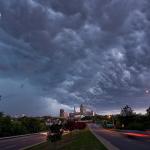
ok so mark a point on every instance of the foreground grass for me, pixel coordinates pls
(77, 140)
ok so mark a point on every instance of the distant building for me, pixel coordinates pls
(66, 115)
(62, 113)
(49, 122)
(82, 109)
(82, 113)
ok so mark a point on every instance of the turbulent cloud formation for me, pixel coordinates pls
(57, 54)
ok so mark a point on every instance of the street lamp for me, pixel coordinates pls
(109, 116)
(113, 121)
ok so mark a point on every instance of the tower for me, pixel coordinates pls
(74, 109)
(82, 109)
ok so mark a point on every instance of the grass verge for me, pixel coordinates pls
(77, 140)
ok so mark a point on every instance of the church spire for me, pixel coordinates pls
(74, 109)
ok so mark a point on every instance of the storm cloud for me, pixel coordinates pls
(60, 53)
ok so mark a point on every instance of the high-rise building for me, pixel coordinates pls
(82, 113)
(82, 109)
(62, 113)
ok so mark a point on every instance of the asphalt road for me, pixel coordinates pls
(121, 141)
(21, 142)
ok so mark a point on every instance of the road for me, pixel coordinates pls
(21, 142)
(119, 140)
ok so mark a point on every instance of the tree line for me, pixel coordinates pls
(127, 119)
(15, 126)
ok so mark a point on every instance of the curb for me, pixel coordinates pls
(105, 142)
(32, 145)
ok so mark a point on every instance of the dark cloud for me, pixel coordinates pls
(62, 53)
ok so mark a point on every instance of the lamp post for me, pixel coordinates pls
(113, 121)
(112, 118)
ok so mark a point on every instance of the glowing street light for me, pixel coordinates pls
(147, 91)
(109, 116)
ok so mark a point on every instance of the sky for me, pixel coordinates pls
(61, 53)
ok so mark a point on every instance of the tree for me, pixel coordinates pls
(5, 126)
(1, 114)
(126, 111)
(148, 111)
